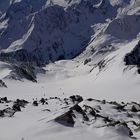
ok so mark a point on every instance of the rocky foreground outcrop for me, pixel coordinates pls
(133, 58)
(74, 111)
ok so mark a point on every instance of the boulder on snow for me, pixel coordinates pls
(35, 103)
(66, 119)
(76, 98)
(134, 109)
(87, 61)
(90, 99)
(21, 103)
(3, 99)
(42, 101)
(1, 113)
(2, 84)
(16, 107)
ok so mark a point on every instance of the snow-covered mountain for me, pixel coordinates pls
(55, 49)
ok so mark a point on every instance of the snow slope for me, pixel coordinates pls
(110, 79)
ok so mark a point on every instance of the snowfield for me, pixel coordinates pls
(114, 81)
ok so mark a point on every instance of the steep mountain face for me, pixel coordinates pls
(41, 31)
(4, 4)
(35, 33)
(133, 58)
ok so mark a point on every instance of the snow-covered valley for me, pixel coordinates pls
(108, 79)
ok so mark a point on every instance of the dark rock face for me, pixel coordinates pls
(23, 56)
(35, 103)
(90, 99)
(16, 107)
(20, 72)
(87, 61)
(52, 29)
(18, 104)
(1, 113)
(134, 109)
(9, 111)
(4, 100)
(76, 98)
(133, 58)
(25, 71)
(81, 111)
(42, 101)
(21, 103)
(66, 119)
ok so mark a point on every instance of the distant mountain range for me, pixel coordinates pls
(43, 31)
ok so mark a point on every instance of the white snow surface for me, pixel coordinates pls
(110, 41)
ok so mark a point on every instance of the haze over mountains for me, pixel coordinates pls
(60, 48)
